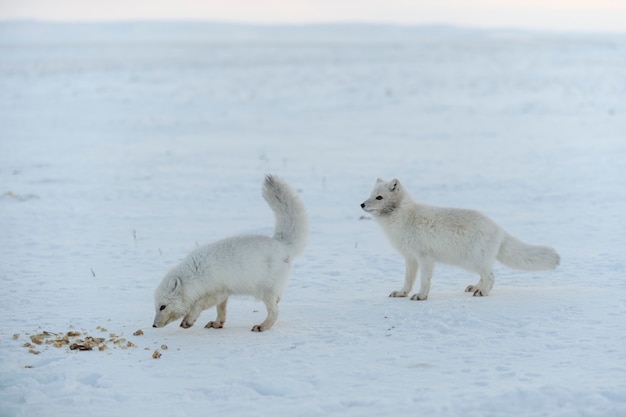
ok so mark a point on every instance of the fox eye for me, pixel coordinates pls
(380, 197)
(162, 308)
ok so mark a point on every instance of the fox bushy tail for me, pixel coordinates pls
(516, 254)
(292, 225)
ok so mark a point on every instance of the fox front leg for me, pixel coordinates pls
(409, 278)
(426, 275)
(191, 317)
(219, 321)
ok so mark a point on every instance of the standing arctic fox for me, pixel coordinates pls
(253, 265)
(466, 238)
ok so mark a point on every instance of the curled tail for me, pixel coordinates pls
(516, 254)
(292, 225)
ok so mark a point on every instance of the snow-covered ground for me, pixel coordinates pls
(122, 147)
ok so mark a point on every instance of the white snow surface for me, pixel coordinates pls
(123, 147)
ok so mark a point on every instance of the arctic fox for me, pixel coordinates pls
(466, 238)
(253, 265)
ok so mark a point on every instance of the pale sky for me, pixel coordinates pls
(580, 15)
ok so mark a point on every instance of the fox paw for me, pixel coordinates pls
(419, 297)
(258, 328)
(477, 291)
(186, 324)
(398, 294)
(214, 325)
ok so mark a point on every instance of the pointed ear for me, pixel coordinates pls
(379, 180)
(177, 285)
(394, 185)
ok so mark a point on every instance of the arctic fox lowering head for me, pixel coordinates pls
(253, 265)
(168, 301)
(385, 198)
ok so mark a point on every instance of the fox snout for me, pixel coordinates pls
(160, 321)
(366, 206)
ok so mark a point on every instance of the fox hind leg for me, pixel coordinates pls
(271, 303)
(484, 285)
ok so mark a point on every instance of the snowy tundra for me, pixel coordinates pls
(123, 147)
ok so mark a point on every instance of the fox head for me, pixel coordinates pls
(168, 301)
(385, 198)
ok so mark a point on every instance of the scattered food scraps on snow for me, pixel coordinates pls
(74, 340)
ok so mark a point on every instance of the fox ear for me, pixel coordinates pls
(379, 180)
(394, 185)
(177, 285)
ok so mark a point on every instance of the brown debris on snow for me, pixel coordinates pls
(81, 341)
(74, 340)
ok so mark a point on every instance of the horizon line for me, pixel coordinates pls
(320, 23)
